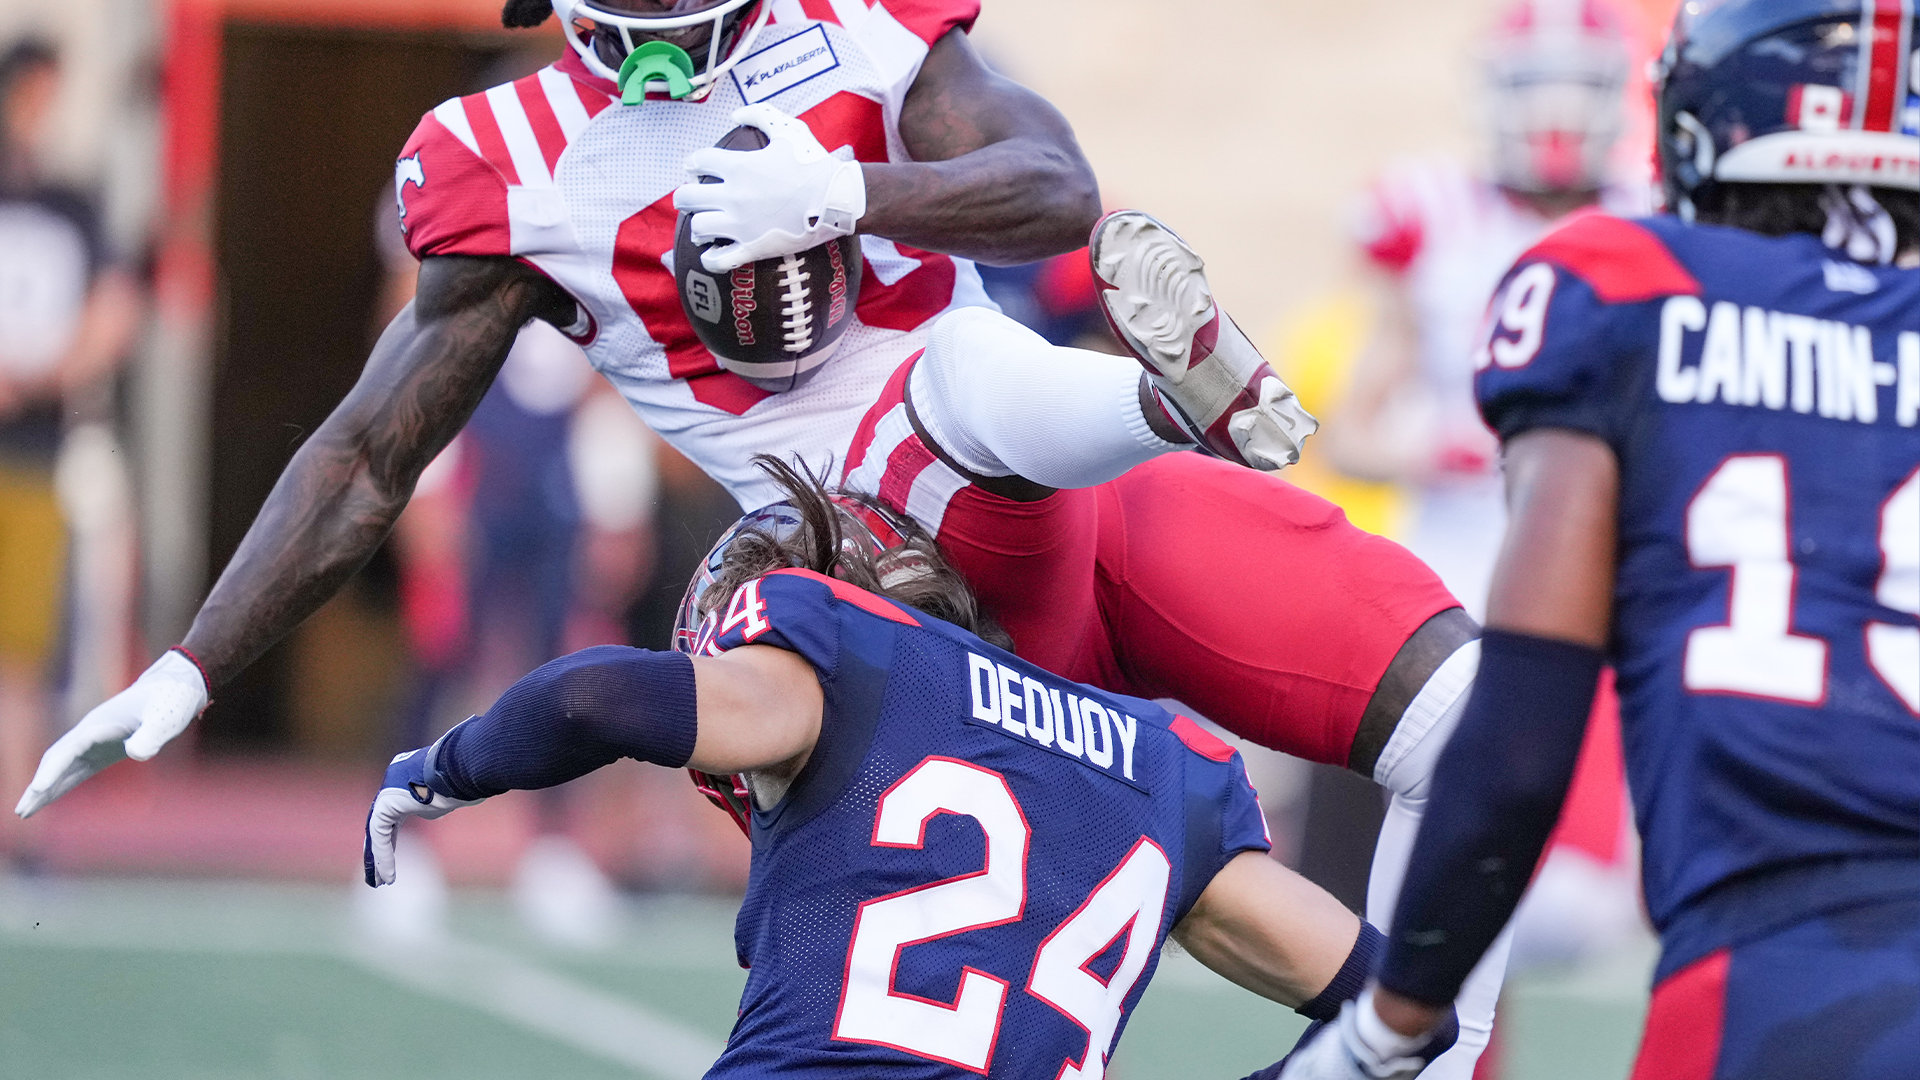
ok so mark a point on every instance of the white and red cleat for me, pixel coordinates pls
(1212, 381)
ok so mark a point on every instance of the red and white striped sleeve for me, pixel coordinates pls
(452, 200)
(930, 20)
(476, 178)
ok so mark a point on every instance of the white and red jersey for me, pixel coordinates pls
(1448, 236)
(554, 170)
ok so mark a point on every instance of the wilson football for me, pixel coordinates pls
(775, 321)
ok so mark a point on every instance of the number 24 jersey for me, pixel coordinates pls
(1761, 396)
(976, 868)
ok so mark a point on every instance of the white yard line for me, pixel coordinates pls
(239, 919)
(498, 983)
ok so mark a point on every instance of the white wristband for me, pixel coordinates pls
(1373, 1032)
(846, 200)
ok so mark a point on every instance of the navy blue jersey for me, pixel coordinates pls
(1761, 397)
(976, 868)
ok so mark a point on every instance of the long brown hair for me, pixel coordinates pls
(913, 572)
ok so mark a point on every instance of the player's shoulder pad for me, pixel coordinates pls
(1224, 816)
(1565, 315)
(452, 198)
(793, 609)
(1200, 740)
(1623, 261)
(797, 581)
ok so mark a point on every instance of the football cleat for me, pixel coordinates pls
(1210, 379)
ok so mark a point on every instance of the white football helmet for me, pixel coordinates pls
(1556, 73)
(675, 21)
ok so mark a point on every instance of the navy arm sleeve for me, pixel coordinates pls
(1497, 793)
(570, 717)
(1565, 349)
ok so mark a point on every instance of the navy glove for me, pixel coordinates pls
(413, 788)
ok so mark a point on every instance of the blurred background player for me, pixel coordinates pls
(1711, 423)
(1561, 104)
(67, 316)
(1554, 103)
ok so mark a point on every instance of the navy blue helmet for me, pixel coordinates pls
(1788, 92)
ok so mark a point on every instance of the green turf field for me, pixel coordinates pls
(157, 980)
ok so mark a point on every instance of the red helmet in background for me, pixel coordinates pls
(1556, 73)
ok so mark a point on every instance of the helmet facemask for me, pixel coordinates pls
(707, 33)
(1554, 128)
(1554, 97)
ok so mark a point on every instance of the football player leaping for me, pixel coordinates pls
(1712, 433)
(554, 197)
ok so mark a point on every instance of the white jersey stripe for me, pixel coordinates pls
(565, 103)
(517, 131)
(892, 430)
(932, 490)
(895, 50)
(452, 115)
(852, 14)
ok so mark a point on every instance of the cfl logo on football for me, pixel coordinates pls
(703, 296)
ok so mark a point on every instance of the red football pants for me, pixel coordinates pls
(1246, 598)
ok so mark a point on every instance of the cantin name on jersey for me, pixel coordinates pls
(1777, 360)
(1066, 724)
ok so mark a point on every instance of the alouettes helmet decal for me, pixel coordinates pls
(1788, 92)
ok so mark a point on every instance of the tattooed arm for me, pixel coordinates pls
(346, 485)
(996, 175)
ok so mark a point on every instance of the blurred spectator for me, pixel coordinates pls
(67, 315)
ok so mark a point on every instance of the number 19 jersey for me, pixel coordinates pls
(1761, 395)
(977, 866)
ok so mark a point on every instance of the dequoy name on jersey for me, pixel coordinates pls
(1074, 726)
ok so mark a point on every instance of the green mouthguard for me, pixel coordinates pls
(655, 61)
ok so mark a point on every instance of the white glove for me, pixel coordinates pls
(1353, 1048)
(412, 788)
(787, 196)
(134, 723)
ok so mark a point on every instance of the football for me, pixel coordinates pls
(775, 321)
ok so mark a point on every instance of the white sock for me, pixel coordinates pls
(1406, 769)
(1002, 402)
